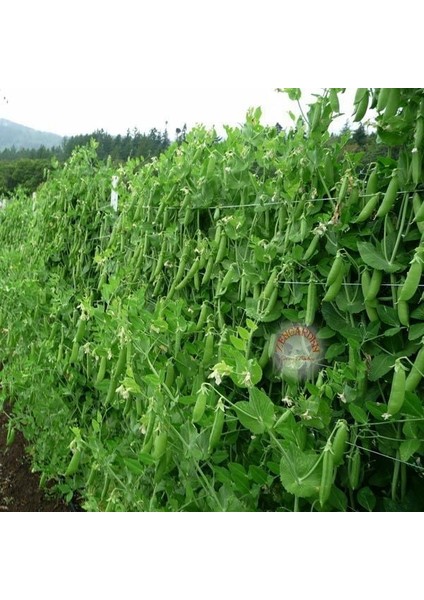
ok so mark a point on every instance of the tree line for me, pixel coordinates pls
(26, 168)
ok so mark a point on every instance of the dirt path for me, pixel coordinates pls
(19, 491)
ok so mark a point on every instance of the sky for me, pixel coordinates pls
(74, 67)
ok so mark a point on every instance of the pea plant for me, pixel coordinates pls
(148, 352)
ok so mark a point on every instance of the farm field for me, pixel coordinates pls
(241, 329)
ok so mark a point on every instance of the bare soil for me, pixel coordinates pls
(19, 487)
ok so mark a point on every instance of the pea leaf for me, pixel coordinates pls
(392, 331)
(358, 413)
(338, 499)
(407, 448)
(335, 350)
(366, 498)
(294, 465)
(416, 331)
(257, 414)
(418, 313)
(388, 315)
(373, 258)
(239, 477)
(380, 365)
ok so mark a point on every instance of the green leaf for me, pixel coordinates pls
(243, 333)
(258, 475)
(380, 365)
(332, 317)
(238, 343)
(325, 333)
(358, 413)
(251, 325)
(416, 331)
(239, 477)
(335, 350)
(293, 93)
(366, 498)
(388, 315)
(373, 258)
(257, 414)
(392, 331)
(392, 138)
(413, 405)
(151, 379)
(338, 499)
(418, 313)
(407, 448)
(294, 465)
(134, 466)
(290, 314)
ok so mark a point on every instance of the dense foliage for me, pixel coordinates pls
(26, 168)
(139, 347)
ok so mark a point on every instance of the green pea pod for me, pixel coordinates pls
(73, 464)
(418, 209)
(403, 312)
(74, 353)
(412, 280)
(374, 286)
(419, 132)
(361, 103)
(334, 288)
(122, 361)
(416, 373)
(329, 170)
(311, 303)
(327, 474)
(202, 316)
(208, 351)
(159, 445)
(354, 469)
(368, 209)
(393, 103)
(102, 370)
(372, 183)
(210, 171)
(371, 312)
(270, 286)
(217, 427)
(343, 187)
(82, 325)
(200, 405)
(390, 196)
(397, 391)
(190, 274)
(416, 165)
(222, 247)
(365, 282)
(383, 96)
(312, 247)
(339, 442)
(316, 116)
(208, 271)
(335, 270)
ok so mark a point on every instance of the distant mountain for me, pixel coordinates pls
(19, 136)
